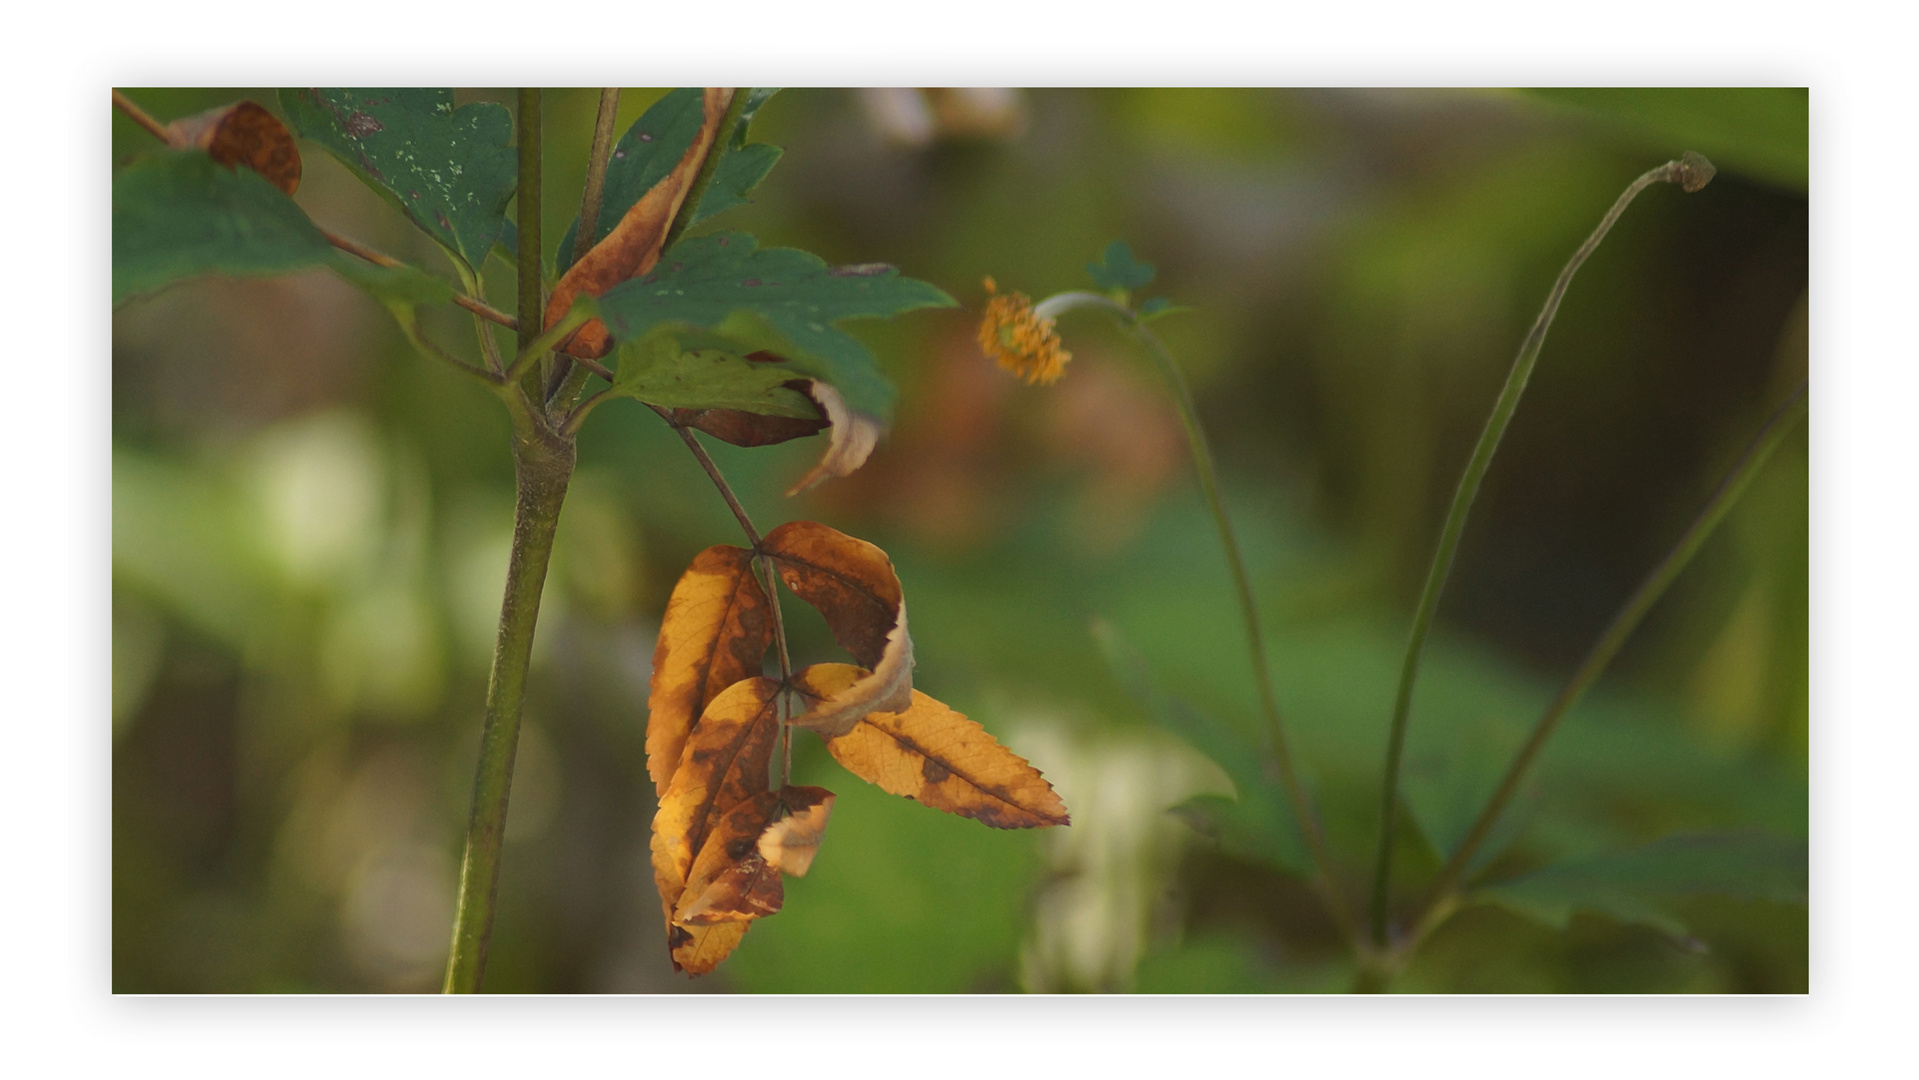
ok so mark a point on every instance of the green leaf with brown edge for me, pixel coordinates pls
(451, 171)
(777, 300)
(178, 214)
(1640, 886)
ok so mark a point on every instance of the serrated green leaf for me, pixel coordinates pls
(178, 214)
(777, 300)
(452, 171)
(641, 158)
(1259, 825)
(1639, 886)
(694, 370)
(1119, 270)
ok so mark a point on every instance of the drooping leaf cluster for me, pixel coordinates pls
(723, 832)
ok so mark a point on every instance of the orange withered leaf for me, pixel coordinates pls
(697, 950)
(737, 873)
(730, 880)
(633, 246)
(724, 764)
(243, 133)
(715, 632)
(853, 585)
(936, 756)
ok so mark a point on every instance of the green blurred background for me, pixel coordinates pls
(310, 529)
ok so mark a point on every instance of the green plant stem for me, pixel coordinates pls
(704, 178)
(543, 462)
(589, 224)
(532, 288)
(1692, 172)
(1309, 825)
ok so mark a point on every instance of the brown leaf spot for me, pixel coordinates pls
(934, 772)
(360, 124)
(243, 133)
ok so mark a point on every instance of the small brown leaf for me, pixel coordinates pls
(723, 765)
(633, 246)
(742, 428)
(851, 440)
(243, 133)
(715, 632)
(936, 756)
(853, 585)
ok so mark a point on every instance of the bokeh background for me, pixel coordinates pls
(310, 529)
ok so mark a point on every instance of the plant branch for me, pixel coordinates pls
(1631, 613)
(531, 352)
(1692, 172)
(411, 328)
(1054, 306)
(140, 116)
(596, 162)
(762, 565)
(350, 246)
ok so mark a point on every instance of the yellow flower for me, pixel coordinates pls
(1020, 340)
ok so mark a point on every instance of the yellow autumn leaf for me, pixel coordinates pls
(715, 632)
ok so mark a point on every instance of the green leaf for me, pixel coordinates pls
(179, 213)
(451, 171)
(642, 158)
(776, 300)
(1639, 886)
(741, 167)
(1259, 825)
(694, 370)
(1158, 308)
(402, 290)
(1119, 270)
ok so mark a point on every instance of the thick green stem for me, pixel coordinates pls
(1690, 171)
(543, 464)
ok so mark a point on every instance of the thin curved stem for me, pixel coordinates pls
(1630, 615)
(141, 117)
(1690, 171)
(597, 159)
(532, 290)
(1053, 307)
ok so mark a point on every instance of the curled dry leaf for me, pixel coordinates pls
(936, 756)
(853, 585)
(243, 133)
(851, 440)
(723, 765)
(633, 245)
(790, 842)
(715, 632)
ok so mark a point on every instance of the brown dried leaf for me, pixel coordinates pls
(850, 442)
(633, 246)
(243, 133)
(853, 585)
(715, 632)
(742, 428)
(731, 881)
(936, 756)
(723, 765)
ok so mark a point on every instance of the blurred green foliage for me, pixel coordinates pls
(311, 526)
